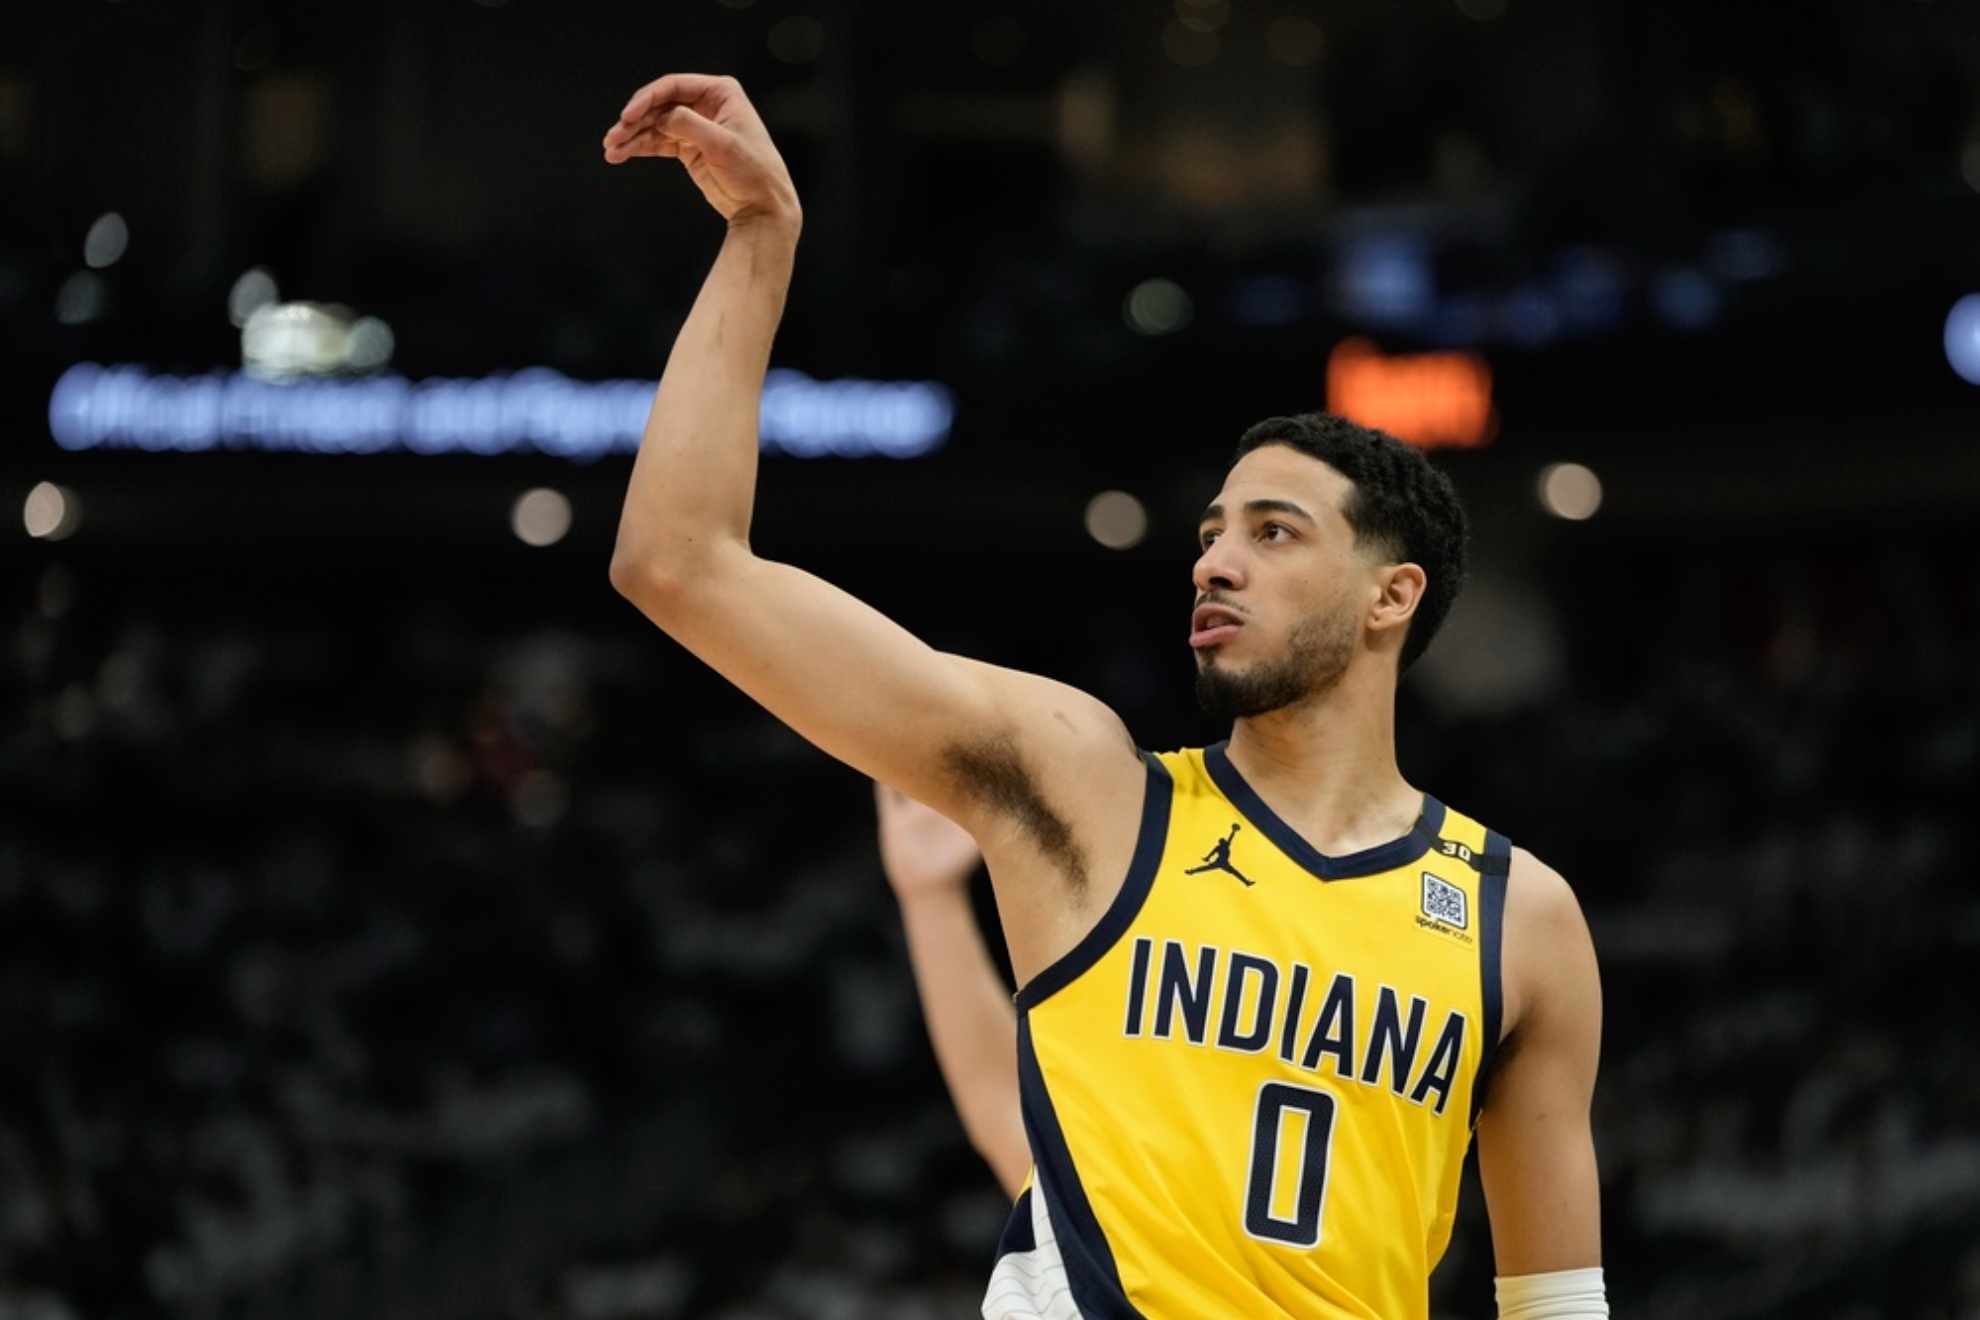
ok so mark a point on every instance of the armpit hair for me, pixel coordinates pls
(992, 772)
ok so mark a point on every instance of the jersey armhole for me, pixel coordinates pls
(1149, 845)
(1493, 868)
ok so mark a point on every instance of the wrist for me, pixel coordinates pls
(781, 223)
(1558, 1295)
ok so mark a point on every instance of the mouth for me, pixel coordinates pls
(1213, 625)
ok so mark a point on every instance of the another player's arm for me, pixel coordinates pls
(1010, 756)
(1536, 1149)
(928, 859)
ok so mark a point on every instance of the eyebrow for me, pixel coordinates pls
(1216, 511)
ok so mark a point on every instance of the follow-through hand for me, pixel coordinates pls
(708, 124)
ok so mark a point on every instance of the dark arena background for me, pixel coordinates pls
(394, 924)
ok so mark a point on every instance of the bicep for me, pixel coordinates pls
(1536, 1149)
(867, 691)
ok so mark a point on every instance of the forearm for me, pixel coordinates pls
(1541, 1187)
(694, 480)
(972, 1026)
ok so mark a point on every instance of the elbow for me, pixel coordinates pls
(631, 573)
(649, 581)
(664, 581)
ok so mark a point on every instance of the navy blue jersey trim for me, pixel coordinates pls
(1120, 914)
(1018, 1235)
(1421, 838)
(1091, 1274)
(1491, 923)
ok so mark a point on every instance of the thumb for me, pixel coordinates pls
(683, 123)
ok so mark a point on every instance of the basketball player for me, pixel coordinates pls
(928, 859)
(1268, 988)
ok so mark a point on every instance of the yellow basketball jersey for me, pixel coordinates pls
(1250, 1088)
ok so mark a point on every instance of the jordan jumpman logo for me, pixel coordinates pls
(1219, 857)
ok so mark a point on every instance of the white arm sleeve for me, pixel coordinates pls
(1560, 1295)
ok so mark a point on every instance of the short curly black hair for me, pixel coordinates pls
(1400, 503)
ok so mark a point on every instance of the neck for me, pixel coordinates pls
(1328, 764)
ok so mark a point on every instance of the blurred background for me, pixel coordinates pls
(393, 924)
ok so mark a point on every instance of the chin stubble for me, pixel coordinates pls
(1317, 654)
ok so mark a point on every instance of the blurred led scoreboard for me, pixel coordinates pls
(1431, 400)
(533, 411)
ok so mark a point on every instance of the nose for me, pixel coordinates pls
(1219, 568)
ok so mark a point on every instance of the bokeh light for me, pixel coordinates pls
(254, 290)
(51, 512)
(1963, 338)
(1570, 491)
(1116, 519)
(108, 237)
(799, 39)
(1157, 307)
(540, 516)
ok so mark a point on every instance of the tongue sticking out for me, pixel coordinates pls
(1216, 634)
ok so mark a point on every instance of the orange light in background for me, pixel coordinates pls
(1431, 400)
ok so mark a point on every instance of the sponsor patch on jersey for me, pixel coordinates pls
(1444, 902)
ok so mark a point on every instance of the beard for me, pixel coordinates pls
(1317, 654)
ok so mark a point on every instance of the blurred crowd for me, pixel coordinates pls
(375, 955)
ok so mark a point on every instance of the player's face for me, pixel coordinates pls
(1279, 585)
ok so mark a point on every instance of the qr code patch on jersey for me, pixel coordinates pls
(1443, 901)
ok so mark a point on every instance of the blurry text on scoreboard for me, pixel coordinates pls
(1430, 400)
(537, 410)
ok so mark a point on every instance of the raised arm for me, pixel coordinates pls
(928, 859)
(1536, 1149)
(1043, 775)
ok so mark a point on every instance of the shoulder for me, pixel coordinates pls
(1538, 892)
(1549, 955)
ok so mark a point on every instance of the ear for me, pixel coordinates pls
(1399, 588)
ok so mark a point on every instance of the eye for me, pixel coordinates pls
(1203, 539)
(1269, 528)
